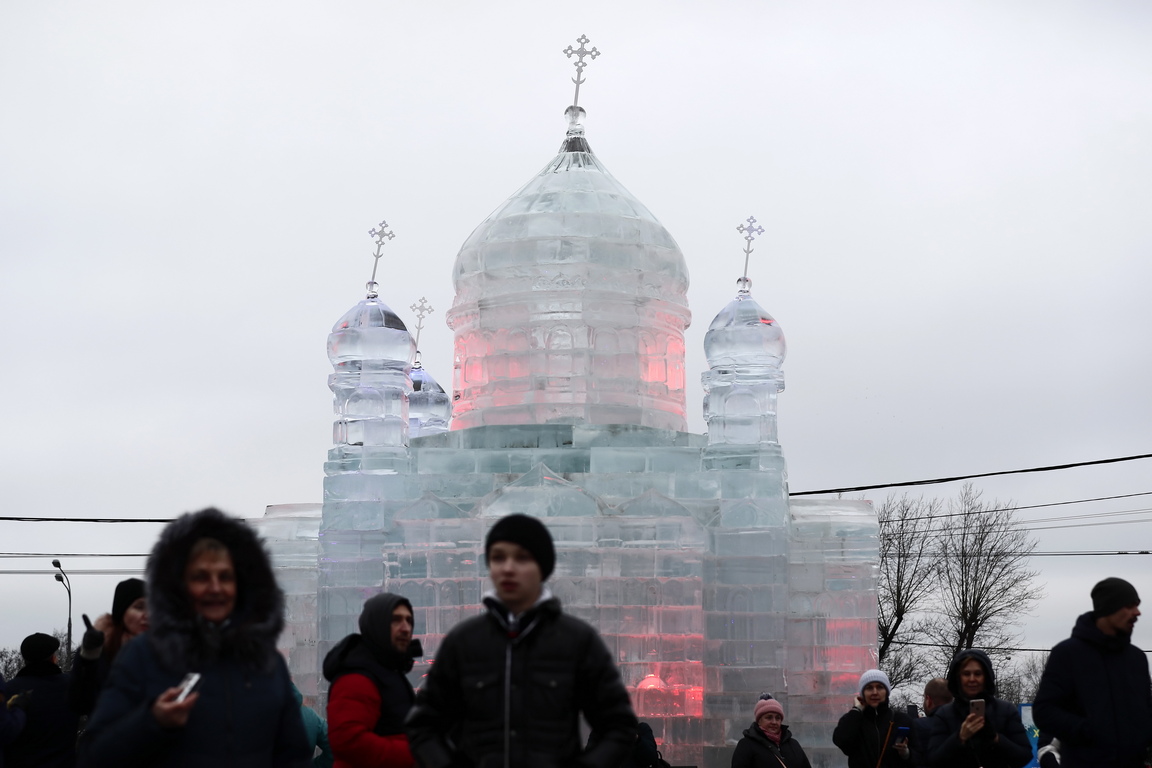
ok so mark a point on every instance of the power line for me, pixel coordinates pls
(70, 554)
(906, 483)
(75, 571)
(1035, 506)
(23, 519)
(934, 481)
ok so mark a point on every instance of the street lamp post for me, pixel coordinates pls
(63, 579)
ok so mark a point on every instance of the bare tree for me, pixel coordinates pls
(985, 585)
(908, 576)
(1019, 682)
(10, 662)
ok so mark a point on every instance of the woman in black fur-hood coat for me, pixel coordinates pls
(246, 712)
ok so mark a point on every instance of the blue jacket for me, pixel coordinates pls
(244, 717)
(1094, 697)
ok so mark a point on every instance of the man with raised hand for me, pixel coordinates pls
(508, 686)
(1095, 695)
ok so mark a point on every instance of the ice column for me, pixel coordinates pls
(371, 352)
(745, 347)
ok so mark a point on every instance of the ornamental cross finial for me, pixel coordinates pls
(750, 231)
(422, 309)
(580, 53)
(381, 234)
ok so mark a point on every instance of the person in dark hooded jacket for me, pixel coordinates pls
(769, 743)
(1094, 694)
(963, 739)
(869, 733)
(370, 695)
(214, 608)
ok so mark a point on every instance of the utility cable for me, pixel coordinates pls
(937, 480)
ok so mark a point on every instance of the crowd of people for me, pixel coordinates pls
(184, 671)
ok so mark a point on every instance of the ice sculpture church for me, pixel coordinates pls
(706, 581)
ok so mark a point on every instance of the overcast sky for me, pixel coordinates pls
(955, 196)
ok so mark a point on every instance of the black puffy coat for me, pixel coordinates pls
(553, 666)
(756, 750)
(921, 735)
(246, 714)
(48, 739)
(860, 734)
(1001, 719)
(1094, 697)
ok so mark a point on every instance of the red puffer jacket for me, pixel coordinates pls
(353, 712)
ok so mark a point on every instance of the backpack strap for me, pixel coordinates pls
(884, 746)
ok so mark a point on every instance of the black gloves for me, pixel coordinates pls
(93, 641)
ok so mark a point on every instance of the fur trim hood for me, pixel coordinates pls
(180, 637)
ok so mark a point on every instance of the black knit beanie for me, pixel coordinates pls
(529, 533)
(127, 592)
(1111, 595)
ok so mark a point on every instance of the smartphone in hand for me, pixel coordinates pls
(902, 733)
(976, 707)
(187, 685)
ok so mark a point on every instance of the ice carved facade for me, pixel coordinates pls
(708, 585)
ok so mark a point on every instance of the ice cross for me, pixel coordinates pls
(580, 53)
(750, 231)
(381, 234)
(422, 309)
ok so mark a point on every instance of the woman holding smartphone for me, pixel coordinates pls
(205, 685)
(977, 729)
(871, 734)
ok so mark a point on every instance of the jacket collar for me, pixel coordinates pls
(519, 625)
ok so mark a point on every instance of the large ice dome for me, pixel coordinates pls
(571, 304)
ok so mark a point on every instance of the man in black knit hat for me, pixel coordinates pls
(1095, 695)
(508, 686)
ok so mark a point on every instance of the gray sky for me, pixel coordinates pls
(955, 196)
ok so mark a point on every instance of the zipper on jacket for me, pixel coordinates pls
(508, 704)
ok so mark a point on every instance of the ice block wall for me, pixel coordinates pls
(832, 570)
(707, 586)
(292, 535)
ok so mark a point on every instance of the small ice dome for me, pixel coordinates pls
(743, 334)
(422, 381)
(371, 331)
